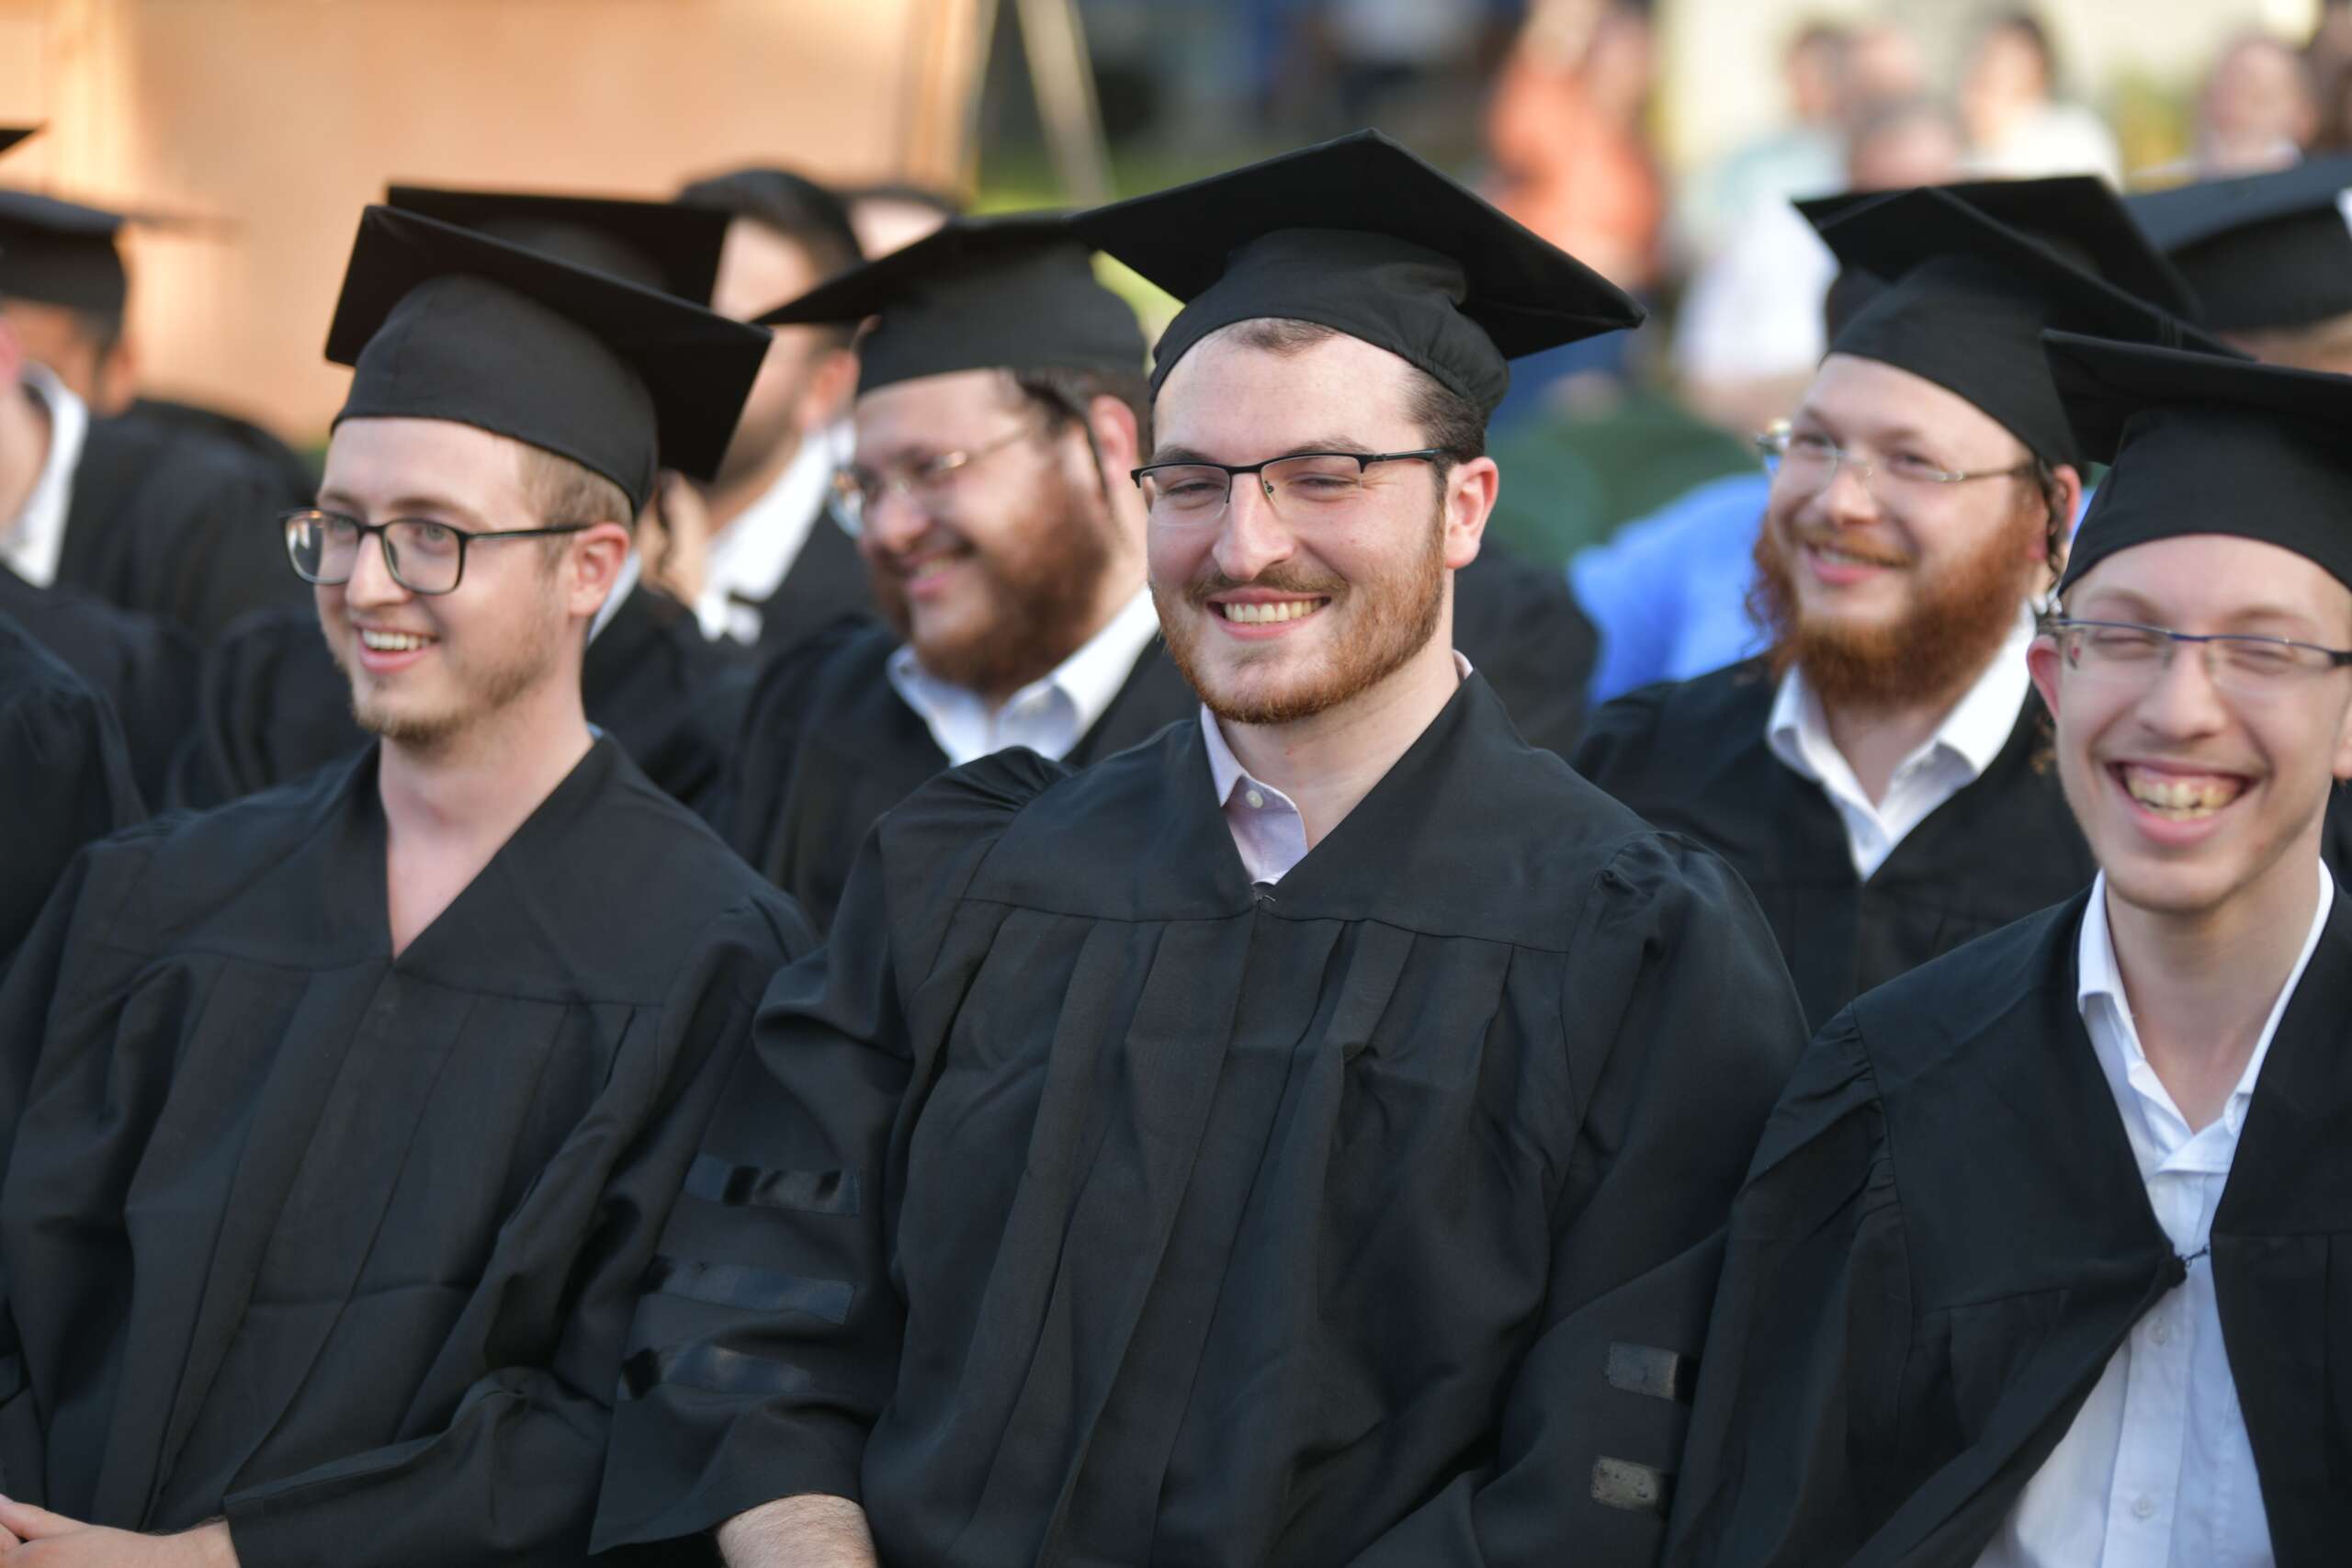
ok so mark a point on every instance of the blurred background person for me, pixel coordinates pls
(2260, 108)
(1804, 155)
(2018, 125)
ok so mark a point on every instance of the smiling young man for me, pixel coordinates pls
(1854, 774)
(340, 1123)
(1302, 1138)
(2042, 1261)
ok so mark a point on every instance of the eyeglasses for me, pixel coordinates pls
(1809, 464)
(424, 557)
(1302, 485)
(2123, 653)
(857, 491)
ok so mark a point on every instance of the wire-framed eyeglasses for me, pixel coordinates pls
(1300, 485)
(1808, 463)
(423, 556)
(2128, 653)
(922, 482)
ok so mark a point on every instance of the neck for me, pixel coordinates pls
(478, 787)
(1875, 739)
(24, 451)
(2201, 983)
(732, 498)
(1328, 762)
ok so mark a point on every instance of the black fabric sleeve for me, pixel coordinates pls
(744, 802)
(768, 1387)
(1682, 1027)
(1522, 629)
(512, 1478)
(1811, 1328)
(1618, 737)
(66, 773)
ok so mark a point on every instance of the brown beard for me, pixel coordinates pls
(1397, 618)
(1043, 586)
(489, 690)
(1957, 618)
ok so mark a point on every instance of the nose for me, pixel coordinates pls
(1251, 538)
(372, 582)
(894, 522)
(2182, 703)
(1847, 500)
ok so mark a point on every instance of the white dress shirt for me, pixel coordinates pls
(1051, 714)
(1954, 757)
(750, 557)
(35, 538)
(1268, 831)
(2157, 1472)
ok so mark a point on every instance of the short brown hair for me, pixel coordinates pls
(561, 490)
(1449, 421)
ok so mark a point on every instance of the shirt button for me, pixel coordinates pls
(1257, 802)
(2144, 1507)
(2160, 1331)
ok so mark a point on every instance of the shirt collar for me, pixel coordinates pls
(1975, 731)
(748, 560)
(1226, 772)
(2101, 978)
(35, 540)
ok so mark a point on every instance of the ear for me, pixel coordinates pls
(1116, 437)
(832, 385)
(2044, 661)
(12, 352)
(115, 381)
(1470, 492)
(592, 567)
(2069, 499)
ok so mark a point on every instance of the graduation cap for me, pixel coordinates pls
(1010, 293)
(1968, 295)
(2265, 251)
(655, 244)
(2192, 436)
(61, 252)
(439, 321)
(12, 134)
(1361, 236)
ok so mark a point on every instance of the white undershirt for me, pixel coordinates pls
(1954, 757)
(35, 539)
(1050, 714)
(750, 558)
(2158, 1470)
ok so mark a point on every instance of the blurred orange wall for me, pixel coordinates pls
(283, 118)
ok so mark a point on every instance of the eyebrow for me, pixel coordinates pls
(414, 505)
(2132, 606)
(1326, 444)
(1891, 433)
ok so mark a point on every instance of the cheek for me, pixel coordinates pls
(1175, 557)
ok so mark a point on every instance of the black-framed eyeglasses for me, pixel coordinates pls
(857, 491)
(2128, 653)
(1809, 462)
(423, 556)
(1302, 484)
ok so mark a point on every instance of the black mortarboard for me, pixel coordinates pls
(1361, 236)
(61, 252)
(1969, 296)
(654, 244)
(1008, 293)
(12, 134)
(439, 321)
(2265, 251)
(2204, 444)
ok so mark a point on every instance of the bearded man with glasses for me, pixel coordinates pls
(1855, 774)
(2042, 1260)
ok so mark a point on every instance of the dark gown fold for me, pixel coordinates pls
(1945, 1238)
(65, 777)
(1084, 1204)
(1691, 757)
(340, 1244)
(144, 668)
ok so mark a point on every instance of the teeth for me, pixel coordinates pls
(1846, 558)
(393, 642)
(2179, 797)
(1261, 615)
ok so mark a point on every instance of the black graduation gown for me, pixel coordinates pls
(1084, 1205)
(144, 668)
(295, 476)
(1691, 757)
(827, 580)
(1521, 628)
(827, 746)
(273, 706)
(65, 775)
(1945, 1238)
(177, 525)
(340, 1244)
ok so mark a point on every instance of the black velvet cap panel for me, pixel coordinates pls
(61, 253)
(1016, 292)
(1968, 299)
(2202, 445)
(2263, 251)
(439, 321)
(655, 244)
(1360, 235)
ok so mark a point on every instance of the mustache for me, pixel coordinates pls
(1831, 536)
(1281, 579)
